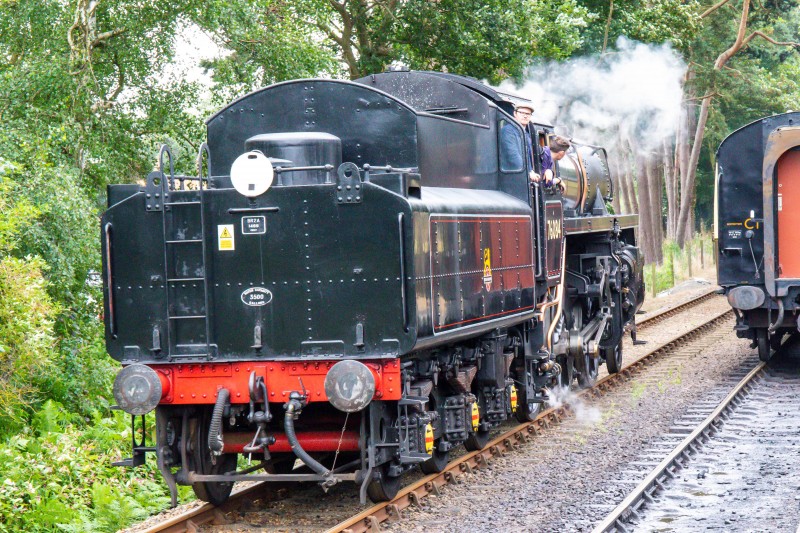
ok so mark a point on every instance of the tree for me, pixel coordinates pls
(741, 41)
(490, 40)
(82, 105)
(647, 21)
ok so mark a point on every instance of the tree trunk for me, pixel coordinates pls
(630, 179)
(670, 176)
(688, 186)
(620, 204)
(616, 182)
(646, 230)
(654, 173)
(628, 174)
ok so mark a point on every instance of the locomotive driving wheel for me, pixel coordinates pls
(588, 368)
(613, 357)
(567, 364)
(200, 461)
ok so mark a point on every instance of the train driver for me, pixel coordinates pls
(511, 143)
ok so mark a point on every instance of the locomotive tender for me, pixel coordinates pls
(756, 224)
(357, 280)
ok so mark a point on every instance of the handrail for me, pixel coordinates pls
(109, 277)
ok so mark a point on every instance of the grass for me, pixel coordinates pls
(679, 264)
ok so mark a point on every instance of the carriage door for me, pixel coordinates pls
(788, 169)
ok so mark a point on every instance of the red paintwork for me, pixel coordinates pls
(459, 246)
(788, 215)
(187, 384)
(311, 441)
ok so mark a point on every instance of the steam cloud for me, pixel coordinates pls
(585, 414)
(634, 92)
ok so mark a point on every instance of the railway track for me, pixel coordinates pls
(702, 480)
(371, 518)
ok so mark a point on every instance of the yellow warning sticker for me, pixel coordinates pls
(225, 237)
(487, 268)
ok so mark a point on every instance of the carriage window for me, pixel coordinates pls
(510, 146)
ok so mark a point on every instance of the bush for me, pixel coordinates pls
(26, 339)
(59, 478)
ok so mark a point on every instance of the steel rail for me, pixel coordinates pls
(207, 513)
(369, 519)
(654, 480)
(658, 316)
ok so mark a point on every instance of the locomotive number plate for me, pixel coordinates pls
(254, 225)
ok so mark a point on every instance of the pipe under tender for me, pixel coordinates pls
(311, 441)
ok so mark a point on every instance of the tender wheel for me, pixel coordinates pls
(527, 411)
(437, 463)
(764, 350)
(383, 488)
(281, 465)
(613, 357)
(215, 492)
(587, 371)
(476, 441)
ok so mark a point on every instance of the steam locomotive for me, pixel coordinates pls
(756, 225)
(357, 280)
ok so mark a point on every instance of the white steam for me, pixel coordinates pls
(632, 95)
(586, 415)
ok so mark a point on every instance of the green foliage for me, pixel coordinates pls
(652, 21)
(487, 40)
(26, 339)
(267, 45)
(274, 41)
(675, 266)
(58, 477)
(86, 97)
